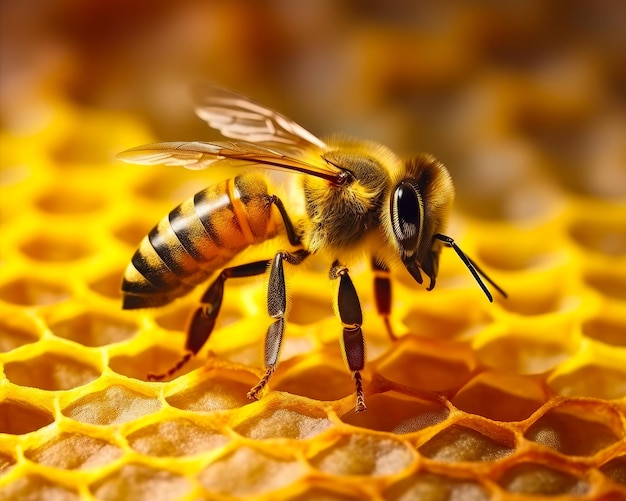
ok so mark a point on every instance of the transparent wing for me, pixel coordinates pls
(200, 155)
(239, 117)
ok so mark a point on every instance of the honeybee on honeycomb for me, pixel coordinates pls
(359, 201)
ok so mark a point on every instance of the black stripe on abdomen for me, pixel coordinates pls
(182, 224)
(205, 207)
(156, 276)
(166, 251)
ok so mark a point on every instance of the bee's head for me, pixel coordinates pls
(419, 206)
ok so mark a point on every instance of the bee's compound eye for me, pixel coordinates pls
(406, 216)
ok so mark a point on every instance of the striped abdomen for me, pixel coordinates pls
(197, 238)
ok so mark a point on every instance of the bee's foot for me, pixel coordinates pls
(256, 390)
(360, 396)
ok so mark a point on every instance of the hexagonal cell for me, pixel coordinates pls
(536, 479)
(93, 328)
(114, 405)
(27, 291)
(460, 443)
(17, 330)
(534, 351)
(108, 285)
(307, 310)
(32, 486)
(501, 396)
(140, 483)
(577, 428)
(546, 298)
(51, 371)
(18, 418)
(605, 329)
(176, 318)
(55, 248)
(73, 451)
(178, 437)
(246, 353)
(397, 413)
(615, 469)
(284, 423)
(316, 381)
(609, 283)
(524, 251)
(219, 390)
(433, 366)
(599, 235)
(63, 200)
(440, 324)
(591, 380)
(131, 232)
(246, 472)
(432, 486)
(369, 455)
(153, 360)
(538, 259)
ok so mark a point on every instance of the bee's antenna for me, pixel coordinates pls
(472, 267)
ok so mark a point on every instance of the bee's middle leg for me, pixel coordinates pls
(352, 341)
(276, 307)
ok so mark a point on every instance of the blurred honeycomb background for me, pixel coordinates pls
(521, 399)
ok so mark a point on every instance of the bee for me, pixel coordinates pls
(358, 200)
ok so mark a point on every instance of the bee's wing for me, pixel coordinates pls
(239, 117)
(199, 155)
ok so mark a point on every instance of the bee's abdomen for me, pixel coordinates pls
(197, 238)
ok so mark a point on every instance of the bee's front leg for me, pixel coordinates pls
(276, 306)
(352, 340)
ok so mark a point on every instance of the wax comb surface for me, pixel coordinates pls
(474, 401)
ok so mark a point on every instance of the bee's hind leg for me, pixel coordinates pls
(352, 340)
(276, 306)
(202, 321)
(382, 293)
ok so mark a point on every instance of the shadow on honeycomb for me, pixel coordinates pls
(521, 399)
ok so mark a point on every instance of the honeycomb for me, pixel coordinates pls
(522, 399)
(474, 401)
